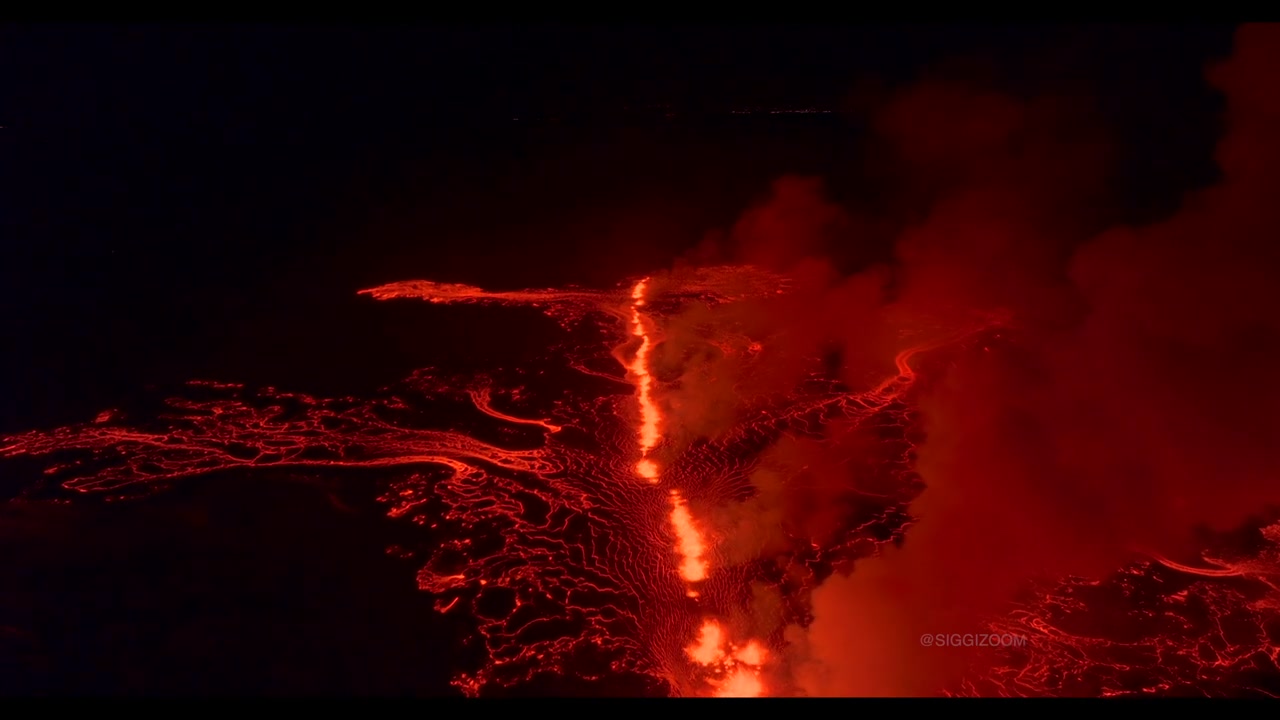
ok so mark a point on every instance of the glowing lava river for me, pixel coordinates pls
(585, 531)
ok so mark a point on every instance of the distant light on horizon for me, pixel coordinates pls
(783, 111)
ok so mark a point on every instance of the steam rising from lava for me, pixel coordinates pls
(1127, 400)
(790, 473)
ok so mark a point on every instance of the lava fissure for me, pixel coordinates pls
(695, 575)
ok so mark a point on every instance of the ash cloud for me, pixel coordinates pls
(1134, 400)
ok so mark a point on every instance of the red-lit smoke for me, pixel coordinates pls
(1130, 398)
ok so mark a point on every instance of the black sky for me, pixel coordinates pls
(166, 185)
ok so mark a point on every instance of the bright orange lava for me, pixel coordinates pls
(649, 415)
(647, 469)
(708, 649)
(753, 654)
(692, 567)
(741, 669)
(743, 682)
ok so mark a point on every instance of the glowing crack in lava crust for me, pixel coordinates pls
(741, 677)
(644, 381)
(581, 533)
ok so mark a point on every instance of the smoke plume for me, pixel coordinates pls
(1130, 400)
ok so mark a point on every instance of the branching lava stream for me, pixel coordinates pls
(582, 530)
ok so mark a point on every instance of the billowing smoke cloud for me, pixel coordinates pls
(729, 356)
(1134, 400)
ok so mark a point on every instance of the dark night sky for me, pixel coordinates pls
(204, 202)
(166, 186)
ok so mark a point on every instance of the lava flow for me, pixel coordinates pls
(738, 678)
(649, 416)
(537, 533)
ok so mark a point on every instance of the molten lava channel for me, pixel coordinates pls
(734, 672)
(649, 414)
(550, 527)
